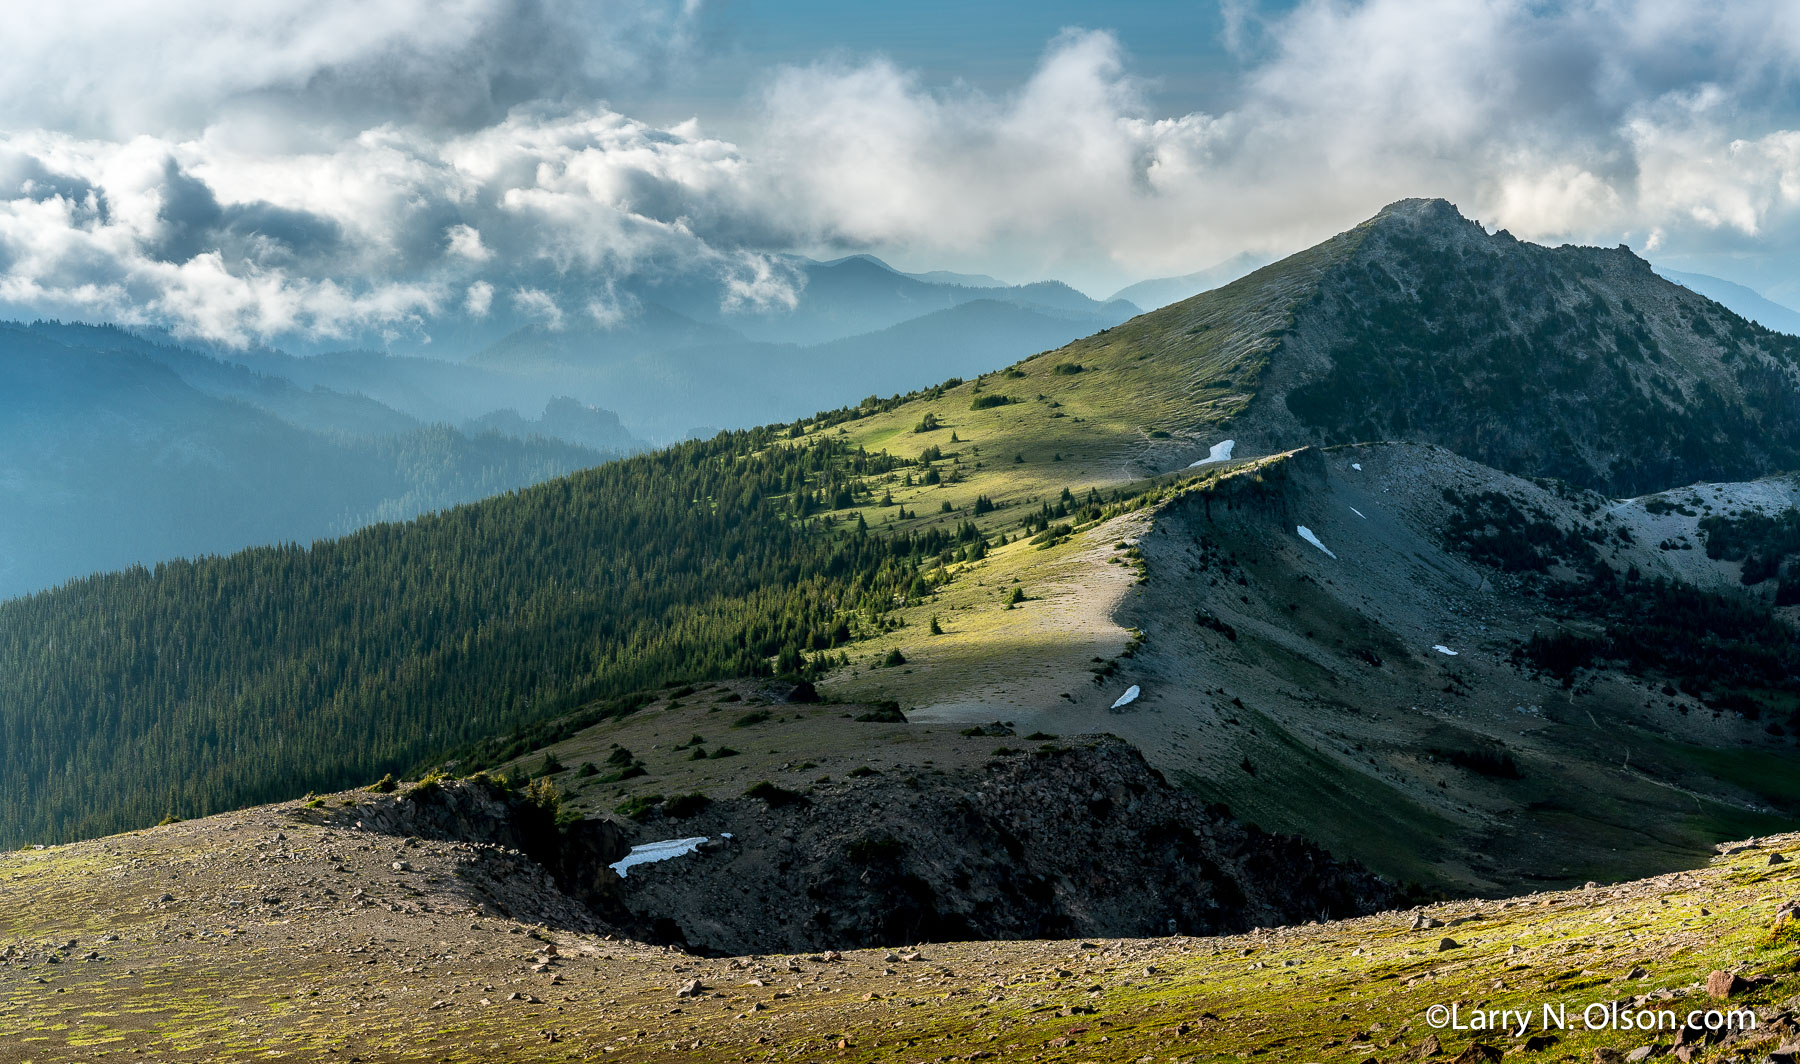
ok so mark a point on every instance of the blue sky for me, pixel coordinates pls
(333, 170)
(1178, 48)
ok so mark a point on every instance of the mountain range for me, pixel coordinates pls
(1742, 301)
(125, 448)
(1516, 366)
(1159, 292)
(115, 451)
(1426, 563)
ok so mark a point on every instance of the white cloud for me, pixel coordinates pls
(122, 67)
(465, 242)
(539, 306)
(479, 299)
(757, 282)
(376, 231)
(1595, 121)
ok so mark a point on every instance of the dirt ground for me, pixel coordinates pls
(275, 934)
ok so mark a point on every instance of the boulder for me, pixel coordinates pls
(1721, 985)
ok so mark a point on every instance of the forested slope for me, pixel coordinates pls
(203, 685)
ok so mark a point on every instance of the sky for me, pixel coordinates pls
(309, 169)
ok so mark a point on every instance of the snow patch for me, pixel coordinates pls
(1128, 697)
(1220, 452)
(1356, 466)
(1307, 535)
(1357, 512)
(1442, 649)
(651, 852)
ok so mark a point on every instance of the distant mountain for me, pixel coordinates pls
(964, 280)
(1742, 301)
(854, 296)
(860, 327)
(857, 295)
(305, 405)
(1162, 291)
(1054, 295)
(650, 327)
(427, 390)
(570, 420)
(962, 341)
(115, 451)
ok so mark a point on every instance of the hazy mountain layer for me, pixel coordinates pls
(116, 452)
(1742, 301)
(1159, 292)
(861, 294)
(669, 391)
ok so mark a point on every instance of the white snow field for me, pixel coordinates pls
(1307, 535)
(651, 852)
(1220, 452)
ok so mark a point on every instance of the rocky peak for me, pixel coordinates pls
(1421, 213)
(1572, 362)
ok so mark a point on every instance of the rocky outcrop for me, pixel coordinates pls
(1085, 840)
(523, 853)
(1058, 842)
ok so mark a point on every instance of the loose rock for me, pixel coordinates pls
(1721, 985)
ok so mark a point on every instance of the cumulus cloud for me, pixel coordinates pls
(331, 169)
(379, 232)
(123, 67)
(465, 242)
(539, 306)
(478, 299)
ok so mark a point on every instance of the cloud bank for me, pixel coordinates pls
(1671, 125)
(331, 169)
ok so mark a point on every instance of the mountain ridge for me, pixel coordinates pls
(405, 934)
(126, 453)
(1592, 368)
(1045, 478)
